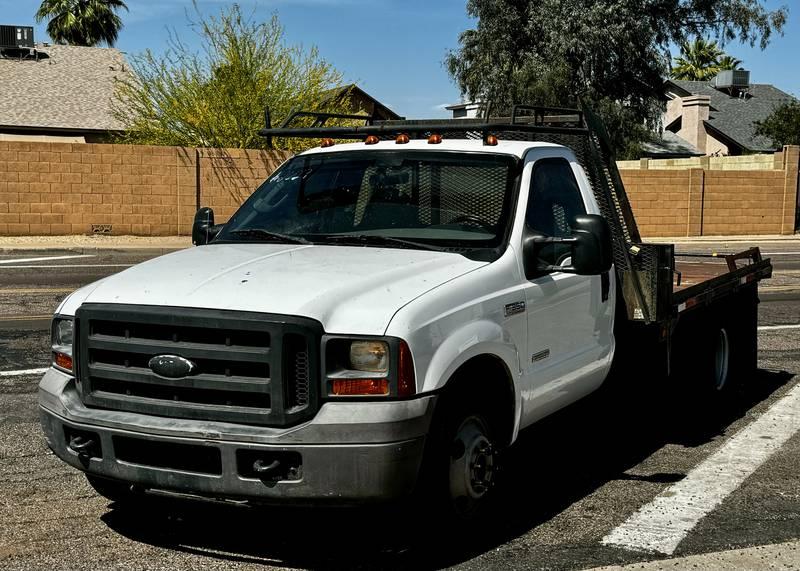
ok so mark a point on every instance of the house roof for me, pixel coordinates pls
(733, 117)
(670, 145)
(68, 88)
(381, 111)
(470, 105)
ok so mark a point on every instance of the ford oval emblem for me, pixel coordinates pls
(171, 366)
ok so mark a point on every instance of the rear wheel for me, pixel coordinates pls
(716, 347)
(722, 359)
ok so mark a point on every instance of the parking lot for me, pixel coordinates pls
(582, 489)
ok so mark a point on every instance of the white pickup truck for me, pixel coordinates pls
(382, 317)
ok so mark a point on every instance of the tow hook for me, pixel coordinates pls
(264, 470)
(81, 446)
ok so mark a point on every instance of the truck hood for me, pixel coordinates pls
(348, 289)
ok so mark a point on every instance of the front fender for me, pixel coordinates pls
(478, 338)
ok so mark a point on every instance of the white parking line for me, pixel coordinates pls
(47, 259)
(777, 327)
(22, 373)
(663, 523)
(70, 266)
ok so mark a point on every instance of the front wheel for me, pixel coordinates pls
(472, 466)
(461, 466)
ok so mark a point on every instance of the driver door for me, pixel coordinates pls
(567, 319)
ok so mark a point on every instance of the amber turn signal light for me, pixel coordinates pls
(62, 360)
(490, 140)
(327, 142)
(372, 140)
(434, 139)
(360, 387)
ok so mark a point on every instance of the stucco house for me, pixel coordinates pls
(718, 117)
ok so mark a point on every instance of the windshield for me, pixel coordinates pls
(422, 199)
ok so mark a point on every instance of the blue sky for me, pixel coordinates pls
(392, 48)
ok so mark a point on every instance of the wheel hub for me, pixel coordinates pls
(472, 463)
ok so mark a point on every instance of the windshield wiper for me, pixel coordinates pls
(376, 240)
(270, 235)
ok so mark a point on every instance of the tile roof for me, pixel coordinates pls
(733, 117)
(71, 88)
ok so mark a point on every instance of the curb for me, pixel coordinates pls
(94, 250)
(723, 239)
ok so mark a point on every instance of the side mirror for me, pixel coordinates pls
(592, 253)
(204, 230)
(590, 243)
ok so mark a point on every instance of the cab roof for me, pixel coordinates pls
(513, 148)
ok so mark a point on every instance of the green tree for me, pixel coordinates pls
(612, 54)
(699, 60)
(727, 62)
(782, 126)
(82, 22)
(215, 97)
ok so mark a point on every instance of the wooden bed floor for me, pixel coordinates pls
(696, 270)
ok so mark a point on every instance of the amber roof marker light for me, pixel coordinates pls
(327, 142)
(490, 140)
(402, 139)
(371, 140)
(434, 139)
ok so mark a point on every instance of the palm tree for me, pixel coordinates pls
(82, 22)
(698, 61)
(727, 62)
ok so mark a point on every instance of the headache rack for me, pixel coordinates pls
(645, 271)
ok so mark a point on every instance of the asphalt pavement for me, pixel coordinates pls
(571, 482)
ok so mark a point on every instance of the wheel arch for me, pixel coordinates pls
(501, 397)
(481, 343)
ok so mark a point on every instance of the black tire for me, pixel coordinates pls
(722, 349)
(742, 322)
(461, 464)
(116, 491)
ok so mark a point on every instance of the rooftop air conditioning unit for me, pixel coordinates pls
(16, 37)
(732, 79)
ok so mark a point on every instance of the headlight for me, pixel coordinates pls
(62, 340)
(370, 356)
(367, 367)
(63, 333)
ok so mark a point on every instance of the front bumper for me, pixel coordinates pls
(348, 453)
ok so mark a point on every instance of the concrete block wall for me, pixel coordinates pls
(716, 202)
(71, 188)
(742, 162)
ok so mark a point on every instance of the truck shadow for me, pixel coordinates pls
(554, 464)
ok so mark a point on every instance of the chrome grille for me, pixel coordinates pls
(250, 368)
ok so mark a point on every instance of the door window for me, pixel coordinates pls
(555, 199)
